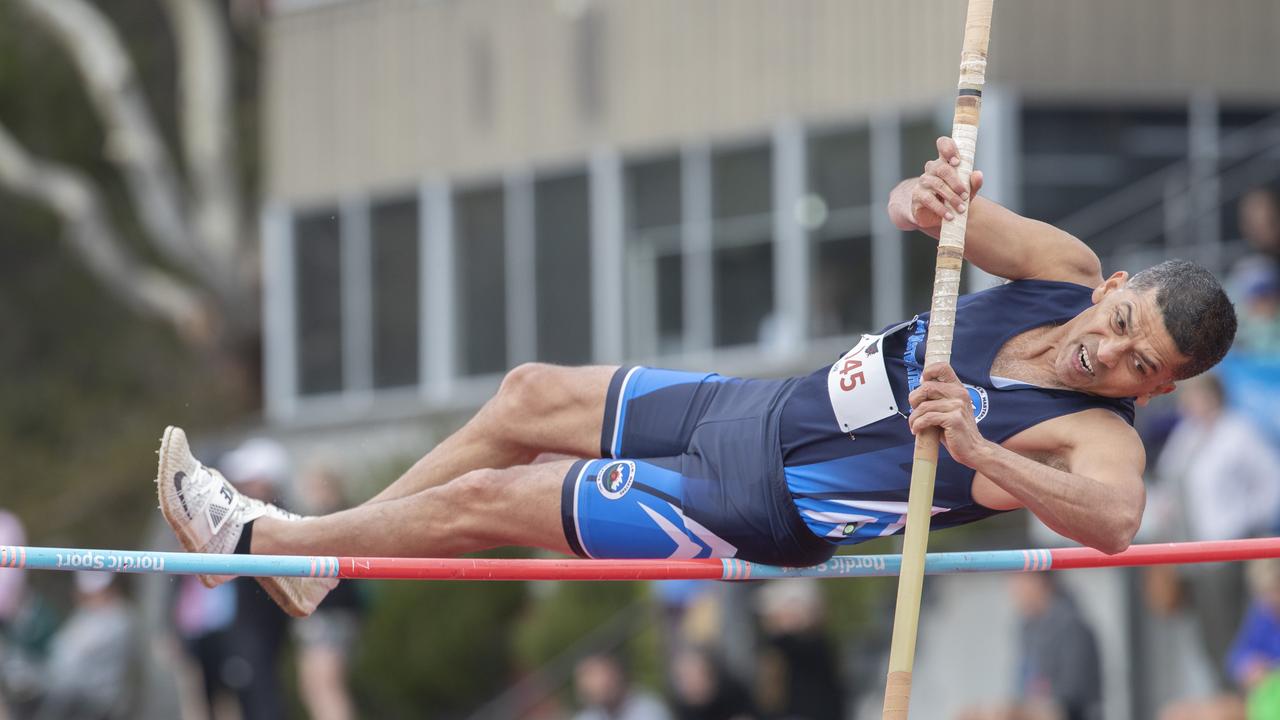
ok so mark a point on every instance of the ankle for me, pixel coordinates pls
(244, 546)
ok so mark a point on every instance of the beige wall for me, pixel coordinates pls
(376, 93)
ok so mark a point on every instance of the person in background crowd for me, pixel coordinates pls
(1260, 313)
(1059, 673)
(87, 676)
(27, 625)
(260, 469)
(325, 639)
(605, 693)
(1253, 661)
(797, 677)
(704, 691)
(1218, 480)
(1254, 282)
(202, 619)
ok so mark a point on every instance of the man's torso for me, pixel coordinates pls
(849, 471)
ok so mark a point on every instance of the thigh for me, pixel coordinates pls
(634, 509)
(652, 413)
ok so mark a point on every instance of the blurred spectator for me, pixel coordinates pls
(704, 691)
(202, 618)
(1059, 663)
(798, 674)
(92, 656)
(1255, 654)
(604, 691)
(1259, 308)
(1218, 480)
(1254, 659)
(27, 626)
(260, 469)
(1254, 281)
(326, 638)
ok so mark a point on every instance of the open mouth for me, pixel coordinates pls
(1083, 356)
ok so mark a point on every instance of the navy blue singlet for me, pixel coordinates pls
(851, 486)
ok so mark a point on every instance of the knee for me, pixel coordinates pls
(531, 389)
(483, 488)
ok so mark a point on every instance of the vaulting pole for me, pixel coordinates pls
(942, 314)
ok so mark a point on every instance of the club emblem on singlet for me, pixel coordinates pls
(978, 397)
(614, 479)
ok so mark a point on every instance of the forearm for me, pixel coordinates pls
(1002, 242)
(1100, 515)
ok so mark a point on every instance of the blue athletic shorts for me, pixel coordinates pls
(691, 468)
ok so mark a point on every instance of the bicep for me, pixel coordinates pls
(1011, 246)
(1108, 450)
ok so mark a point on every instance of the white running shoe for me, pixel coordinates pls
(208, 515)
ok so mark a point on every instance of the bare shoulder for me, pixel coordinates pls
(1087, 438)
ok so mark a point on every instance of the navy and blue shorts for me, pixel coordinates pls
(691, 468)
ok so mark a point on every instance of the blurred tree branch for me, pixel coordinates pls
(195, 223)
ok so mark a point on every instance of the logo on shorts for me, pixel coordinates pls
(615, 478)
(978, 397)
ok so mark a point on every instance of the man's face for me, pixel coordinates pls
(1119, 347)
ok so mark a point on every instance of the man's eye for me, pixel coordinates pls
(1120, 322)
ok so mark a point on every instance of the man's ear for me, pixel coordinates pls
(1117, 280)
(1164, 389)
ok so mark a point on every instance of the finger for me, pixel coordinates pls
(926, 420)
(975, 181)
(948, 175)
(926, 200)
(943, 190)
(948, 151)
(939, 371)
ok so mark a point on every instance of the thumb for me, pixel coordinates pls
(975, 182)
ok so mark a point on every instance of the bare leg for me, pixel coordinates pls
(539, 408)
(482, 509)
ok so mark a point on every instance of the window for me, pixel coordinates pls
(318, 273)
(837, 212)
(562, 226)
(742, 262)
(654, 259)
(481, 281)
(394, 245)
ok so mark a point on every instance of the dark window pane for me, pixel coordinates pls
(318, 265)
(481, 281)
(670, 303)
(653, 193)
(1073, 157)
(742, 205)
(655, 263)
(563, 235)
(840, 168)
(743, 182)
(744, 293)
(395, 293)
(841, 286)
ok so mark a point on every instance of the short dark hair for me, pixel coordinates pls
(1197, 313)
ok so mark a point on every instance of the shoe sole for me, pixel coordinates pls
(273, 586)
(177, 523)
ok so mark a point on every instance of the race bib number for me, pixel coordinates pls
(859, 386)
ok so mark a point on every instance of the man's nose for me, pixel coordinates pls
(1110, 351)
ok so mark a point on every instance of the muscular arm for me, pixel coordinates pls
(1095, 498)
(997, 239)
(1091, 490)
